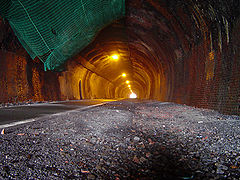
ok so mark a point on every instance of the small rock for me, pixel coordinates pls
(91, 177)
(21, 134)
(222, 167)
(150, 141)
(127, 139)
(98, 167)
(93, 140)
(238, 158)
(136, 138)
(135, 159)
(142, 159)
(148, 154)
(219, 171)
(84, 171)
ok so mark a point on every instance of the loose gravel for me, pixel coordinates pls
(124, 140)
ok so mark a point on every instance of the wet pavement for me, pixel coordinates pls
(124, 140)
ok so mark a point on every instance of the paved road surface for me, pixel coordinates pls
(20, 113)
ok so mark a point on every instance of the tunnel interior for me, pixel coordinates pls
(181, 51)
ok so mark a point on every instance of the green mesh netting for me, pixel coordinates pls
(55, 30)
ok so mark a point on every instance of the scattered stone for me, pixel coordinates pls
(136, 138)
(142, 159)
(3, 131)
(91, 177)
(98, 167)
(21, 134)
(127, 139)
(148, 154)
(84, 171)
(135, 159)
(220, 166)
(220, 171)
(106, 144)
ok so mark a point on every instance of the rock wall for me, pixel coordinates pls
(21, 78)
(192, 48)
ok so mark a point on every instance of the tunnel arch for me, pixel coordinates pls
(180, 51)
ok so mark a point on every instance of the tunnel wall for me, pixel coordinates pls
(197, 45)
(209, 75)
(13, 78)
(92, 85)
(210, 79)
(23, 80)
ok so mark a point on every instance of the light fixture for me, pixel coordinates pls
(133, 95)
(124, 75)
(129, 86)
(115, 57)
(127, 81)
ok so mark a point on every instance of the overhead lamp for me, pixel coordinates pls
(129, 86)
(124, 75)
(127, 81)
(115, 57)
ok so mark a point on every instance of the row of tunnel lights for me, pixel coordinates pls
(124, 75)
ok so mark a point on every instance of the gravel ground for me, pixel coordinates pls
(124, 140)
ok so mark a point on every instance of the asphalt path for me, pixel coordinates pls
(15, 114)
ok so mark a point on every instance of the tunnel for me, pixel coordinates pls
(182, 51)
(120, 89)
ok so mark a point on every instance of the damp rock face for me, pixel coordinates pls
(124, 140)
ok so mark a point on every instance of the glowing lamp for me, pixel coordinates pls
(115, 57)
(129, 86)
(124, 75)
(127, 82)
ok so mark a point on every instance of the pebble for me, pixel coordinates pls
(136, 138)
(91, 177)
(220, 166)
(128, 139)
(142, 159)
(220, 171)
(135, 159)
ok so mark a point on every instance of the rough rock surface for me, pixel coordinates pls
(124, 140)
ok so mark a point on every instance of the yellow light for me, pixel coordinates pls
(133, 95)
(127, 82)
(124, 75)
(129, 85)
(115, 57)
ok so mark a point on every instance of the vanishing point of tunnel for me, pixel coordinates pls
(141, 55)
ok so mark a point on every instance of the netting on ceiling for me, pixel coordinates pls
(55, 30)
